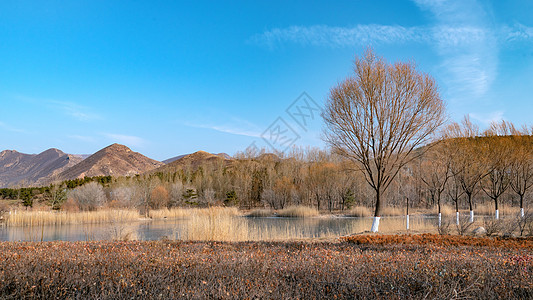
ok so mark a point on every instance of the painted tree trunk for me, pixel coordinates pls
(457, 218)
(471, 216)
(497, 214)
(521, 212)
(440, 219)
(375, 224)
(377, 212)
(407, 222)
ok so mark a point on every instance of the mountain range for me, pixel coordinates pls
(21, 170)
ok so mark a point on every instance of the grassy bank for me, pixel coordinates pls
(135, 270)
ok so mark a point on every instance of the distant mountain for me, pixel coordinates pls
(20, 169)
(194, 160)
(114, 160)
(173, 159)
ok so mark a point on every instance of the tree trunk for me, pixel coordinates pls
(496, 212)
(377, 212)
(522, 205)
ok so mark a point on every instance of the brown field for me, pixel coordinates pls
(374, 266)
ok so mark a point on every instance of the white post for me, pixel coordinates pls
(471, 216)
(407, 222)
(497, 213)
(440, 219)
(457, 218)
(522, 212)
(375, 224)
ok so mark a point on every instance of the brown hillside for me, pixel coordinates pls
(114, 160)
(194, 160)
(33, 169)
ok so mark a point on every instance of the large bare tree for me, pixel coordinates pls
(378, 116)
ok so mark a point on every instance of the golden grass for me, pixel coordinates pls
(260, 213)
(388, 211)
(298, 212)
(173, 213)
(487, 209)
(38, 218)
(359, 211)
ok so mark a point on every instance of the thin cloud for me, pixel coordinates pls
(7, 127)
(238, 127)
(462, 34)
(322, 35)
(79, 112)
(128, 140)
(487, 118)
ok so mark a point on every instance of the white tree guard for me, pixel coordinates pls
(375, 224)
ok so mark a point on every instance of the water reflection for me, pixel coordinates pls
(233, 228)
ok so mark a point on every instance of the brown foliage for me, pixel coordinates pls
(214, 270)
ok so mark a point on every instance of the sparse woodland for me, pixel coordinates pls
(464, 171)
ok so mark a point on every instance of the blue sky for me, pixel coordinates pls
(170, 77)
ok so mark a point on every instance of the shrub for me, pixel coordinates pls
(89, 196)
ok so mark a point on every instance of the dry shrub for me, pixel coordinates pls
(441, 240)
(359, 212)
(159, 197)
(70, 206)
(298, 212)
(266, 270)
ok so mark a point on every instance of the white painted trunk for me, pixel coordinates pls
(497, 214)
(375, 224)
(471, 216)
(440, 219)
(457, 218)
(522, 212)
(407, 222)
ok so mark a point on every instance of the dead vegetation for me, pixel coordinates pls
(395, 267)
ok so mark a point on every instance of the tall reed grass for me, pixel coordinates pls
(298, 212)
(39, 218)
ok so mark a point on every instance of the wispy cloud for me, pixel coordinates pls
(468, 44)
(487, 118)
(461, 33)
(7, 127)
(322, 35)
(237, 127)
(128, 140)
(79, 112)
(69, 108)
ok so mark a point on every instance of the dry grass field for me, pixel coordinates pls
(429, 266)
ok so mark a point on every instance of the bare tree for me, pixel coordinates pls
(498, 161)
(89, 196)
(378, 116)
(435, 172)
(522, 168)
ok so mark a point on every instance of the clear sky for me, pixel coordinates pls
(170, 77)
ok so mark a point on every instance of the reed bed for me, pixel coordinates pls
(487, 209)
(298, 212)
(260, 213)
(359, 212)
(173, 213)
(40, 218)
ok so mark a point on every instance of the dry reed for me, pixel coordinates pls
(39, 218)
(298, 212)
(359, 211)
